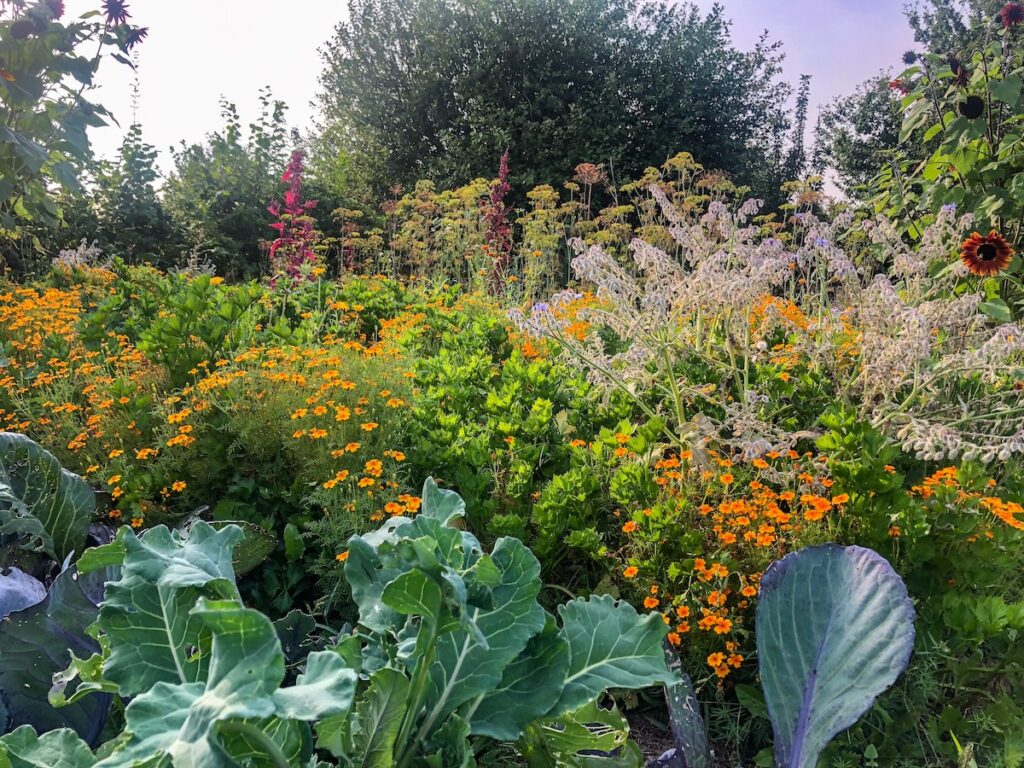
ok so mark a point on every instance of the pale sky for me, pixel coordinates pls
(198, 50)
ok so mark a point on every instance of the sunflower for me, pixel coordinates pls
(972, 107)
(960, 74)
(1011, 14)
(985, 255)
(116, 11)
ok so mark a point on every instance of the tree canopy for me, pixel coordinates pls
(416, 88)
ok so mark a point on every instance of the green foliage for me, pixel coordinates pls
(416, 90)
(22, 748)
(493, 423)
(38, 642)
(43, 112)
(961, 140)
(855, 132)
(452, 643)
(42, 506)
(131, 220)
(854, 639)
(963, 573)
(219, 190)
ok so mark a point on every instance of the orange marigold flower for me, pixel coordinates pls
(629, 527)
(674, 638)
(178, 486)
(369, 426)
(651, 602)
(726, 479)
(716, 659)
(631, 572)
(341, 557)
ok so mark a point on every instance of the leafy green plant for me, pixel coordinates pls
(853, 639)
(452, 650)
(45, 607)
(43, 507)
(43, 113)
(835, 628)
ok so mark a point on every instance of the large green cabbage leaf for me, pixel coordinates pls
(835, 628)
(41, 500)
(36, 643)
(240, 696)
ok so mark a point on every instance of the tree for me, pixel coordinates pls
(44, 114)
(131, 219)
(951, 26)
(855, 132)
(416, 88)
(219, 190)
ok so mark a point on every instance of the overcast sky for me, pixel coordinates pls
(199, 50)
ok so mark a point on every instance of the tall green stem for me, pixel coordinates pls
(417, 688)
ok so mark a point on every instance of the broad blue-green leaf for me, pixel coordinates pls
(36, 643)
(146, 614)
(376, 559)
(413, 593)
(19, 590)
(441, 505)
(529, 687)
(378, 717)
(466, 668)
(41, 499)
(590, 737)
(367, 576)
(291, 737)
(255, 546)
(835, 628)
(610, 646)
(293, 631)
(183, 722)
(61, 748)
(321, 689)
(107, 555)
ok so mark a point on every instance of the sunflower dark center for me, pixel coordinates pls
(987, 252)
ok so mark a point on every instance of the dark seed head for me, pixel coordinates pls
(972, 107)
